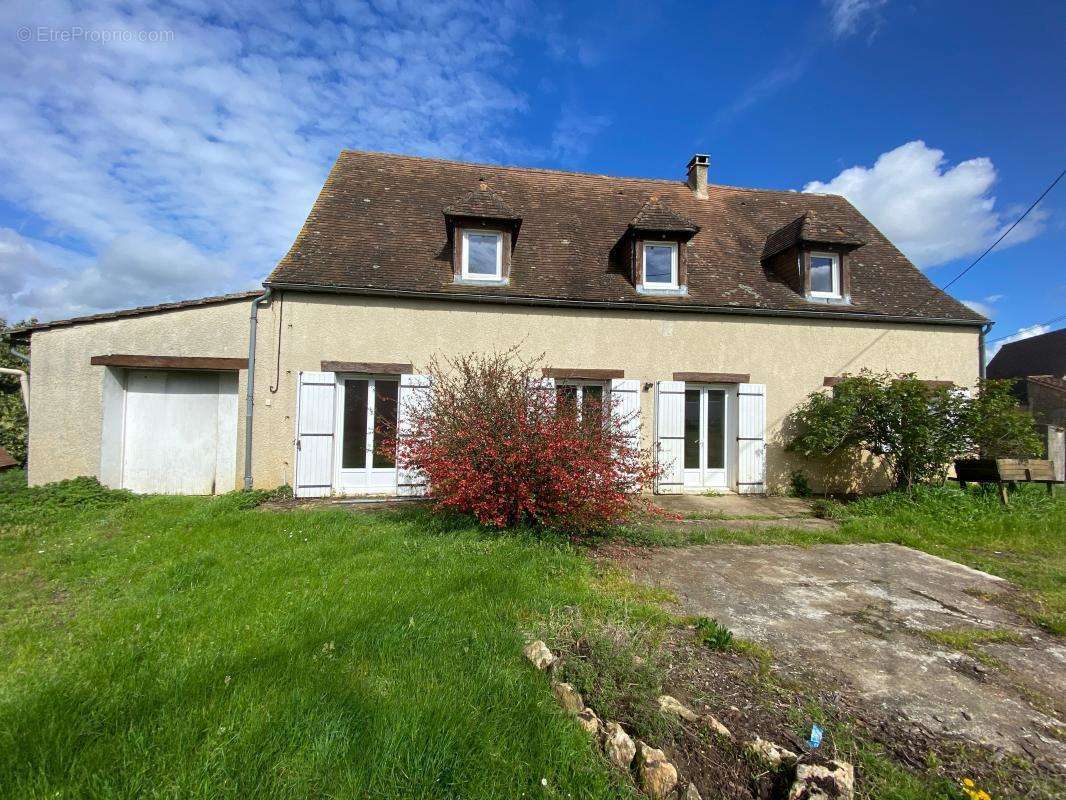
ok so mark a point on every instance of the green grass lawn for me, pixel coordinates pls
(1024, 543)
(195, 647)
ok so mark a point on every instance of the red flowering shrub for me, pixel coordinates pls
(493, 442)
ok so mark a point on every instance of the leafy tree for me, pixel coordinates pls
(916, 428)
(996, 427)
(494, 443)
(13, 420)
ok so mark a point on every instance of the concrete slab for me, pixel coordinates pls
(864, 613)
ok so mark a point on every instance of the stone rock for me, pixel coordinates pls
(691, 793)
(569, 698)
(712, 722)
(539, 654)
(656, 776)
(770, 754)
(830, 780)
(674, 707)
(589, 721)
(617, 745)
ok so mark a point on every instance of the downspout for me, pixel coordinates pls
(249, 407)
(981, 348)
(24, 383)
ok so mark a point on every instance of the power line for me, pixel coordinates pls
(1038, 325)
(1004, 236)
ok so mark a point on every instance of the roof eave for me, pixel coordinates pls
(620, 305)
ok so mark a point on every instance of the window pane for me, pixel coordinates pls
(592, 403)
(822, 274)
(384, 418)
(354, 455)
(566, 398)
(481, 253)
(692, 428)
(715, 429)
(658, 263)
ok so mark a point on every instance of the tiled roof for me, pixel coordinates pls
(809, 228)
(378, 226)
(655, 216)
(139, 311)
(482, 202)
(1037, 355)
(6, 461)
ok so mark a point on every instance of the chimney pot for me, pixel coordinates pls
(697, 175)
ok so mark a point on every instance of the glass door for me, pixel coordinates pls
(707, 428)
(367, 407)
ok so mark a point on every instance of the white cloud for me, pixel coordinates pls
(849, 16)
(185, 167)
(986, 307)
(933, 213)
(1023, 333)
(575, 132)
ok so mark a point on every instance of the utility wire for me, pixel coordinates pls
(1004, 236)
(1038, 325)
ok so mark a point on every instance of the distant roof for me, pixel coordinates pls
(138, 311)
(378, 226)
(1037, 355)
(6, 461)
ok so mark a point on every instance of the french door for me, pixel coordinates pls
(709, 430)
(366, 407)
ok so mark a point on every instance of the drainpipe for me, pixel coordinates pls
(249, 408)
(24, 383)
(981, 348)
(19, 355)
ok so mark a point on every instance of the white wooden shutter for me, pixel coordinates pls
(670, 435)
(625, 406)
(315, 420)
(414, 390)
(751, 438)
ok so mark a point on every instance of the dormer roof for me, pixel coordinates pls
(810, 229)
(482, 203)
(657, 217)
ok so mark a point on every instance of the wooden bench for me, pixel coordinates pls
(1006, 473)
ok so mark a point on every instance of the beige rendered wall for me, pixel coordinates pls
(66, 391)
(791, 356)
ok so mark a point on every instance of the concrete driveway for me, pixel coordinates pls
(870, 614)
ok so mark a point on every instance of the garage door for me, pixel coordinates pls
(180, 432)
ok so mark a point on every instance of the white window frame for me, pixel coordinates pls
(835, 258)
(475, 276)
(673, 284)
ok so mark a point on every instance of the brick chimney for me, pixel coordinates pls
(697, 175)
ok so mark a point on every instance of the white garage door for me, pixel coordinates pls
(180, 432)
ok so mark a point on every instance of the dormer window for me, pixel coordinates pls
(825, 275)
(482, 255)
(660, 265)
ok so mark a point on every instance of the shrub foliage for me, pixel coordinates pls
(915, 427)
(13, 421)
(492, 441)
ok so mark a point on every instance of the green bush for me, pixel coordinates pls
(914, 427)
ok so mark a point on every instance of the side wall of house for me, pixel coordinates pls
(791, 356)
(66, 392)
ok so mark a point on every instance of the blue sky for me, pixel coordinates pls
(154, 152)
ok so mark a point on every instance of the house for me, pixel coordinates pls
(713, 310)
(1038, 364)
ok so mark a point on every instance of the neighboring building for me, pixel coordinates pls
(1039, 366)
(713, 310)
(6, 461)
